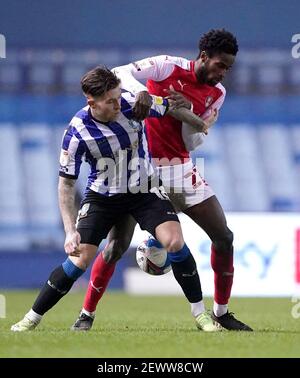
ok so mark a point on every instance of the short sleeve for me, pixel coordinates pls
(71, 154)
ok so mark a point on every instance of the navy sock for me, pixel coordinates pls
(186, 274)
(59, 283)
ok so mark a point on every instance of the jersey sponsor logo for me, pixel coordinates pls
(208, 101)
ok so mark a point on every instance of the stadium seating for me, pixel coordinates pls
(279, 168)
(57, 71)
(251, 157)
(13, 220)
(251, 168)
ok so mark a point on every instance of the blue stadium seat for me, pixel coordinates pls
(13, 220)
(40, 179)
(10, 76)
(243, 158)
(295, 148)
(294, 75)
(216, 169)
(71, 75)
(270, 78)
(42, 74)
(277, 160)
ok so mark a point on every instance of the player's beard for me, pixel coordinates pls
(202, 76)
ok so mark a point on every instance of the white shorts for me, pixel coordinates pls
(184, 185)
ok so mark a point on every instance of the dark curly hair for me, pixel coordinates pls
(98, 81)
(218, 41)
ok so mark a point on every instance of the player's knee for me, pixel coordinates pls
(81, 262)
(84, 259)
(115, 250)
(174, 243)
(224, 243)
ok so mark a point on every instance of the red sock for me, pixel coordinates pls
(222, 264)
(100, 276)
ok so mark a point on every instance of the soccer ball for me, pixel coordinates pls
(153, 259)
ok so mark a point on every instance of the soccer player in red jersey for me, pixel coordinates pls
(197, 86)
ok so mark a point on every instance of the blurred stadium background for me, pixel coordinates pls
(252, 156)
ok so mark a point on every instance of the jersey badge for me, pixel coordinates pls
(82, 213)
(158, 100)
(64, 158)
(135, 125)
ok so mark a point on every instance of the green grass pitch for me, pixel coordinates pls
(133, 326)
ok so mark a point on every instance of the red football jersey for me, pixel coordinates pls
(167, 137)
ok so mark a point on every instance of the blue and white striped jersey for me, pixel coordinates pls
(117, 152)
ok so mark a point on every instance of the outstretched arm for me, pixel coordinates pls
(187, 116)
(177, 108)
(181, 109)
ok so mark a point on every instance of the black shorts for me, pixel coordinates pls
(99, 213)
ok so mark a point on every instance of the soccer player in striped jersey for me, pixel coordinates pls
(122, 183)
(197, 87)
